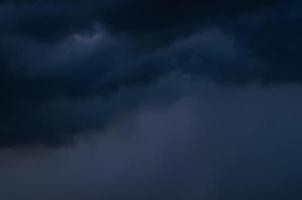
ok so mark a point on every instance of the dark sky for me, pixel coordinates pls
(150, 99)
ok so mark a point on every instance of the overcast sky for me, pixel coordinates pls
(150, 99)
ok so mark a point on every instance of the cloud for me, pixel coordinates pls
(81, 83)
(273, 36)
(215, 142)
(150, 99)
(70, 67)
(48, 20)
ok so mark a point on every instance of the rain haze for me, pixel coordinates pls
(150, 100)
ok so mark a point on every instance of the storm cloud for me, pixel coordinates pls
(84, 81)
(142, 99)
(53, 19)
(215, 142)
(67, 67)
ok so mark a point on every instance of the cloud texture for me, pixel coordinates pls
(70, 67)
(150, 99)
(215, 142)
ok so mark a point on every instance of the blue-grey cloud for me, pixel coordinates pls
(67, 67)
(215, 142)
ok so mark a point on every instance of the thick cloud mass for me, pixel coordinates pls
(53, 19)
(214, 143)
(150, 99)
(69, 67)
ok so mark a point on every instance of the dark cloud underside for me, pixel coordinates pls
(215, 143)
(69, 67)
(150, 99)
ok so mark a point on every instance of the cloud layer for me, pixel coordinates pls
(72, 67)
(215, 142)
(153, 99)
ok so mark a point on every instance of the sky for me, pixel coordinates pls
(150, 99)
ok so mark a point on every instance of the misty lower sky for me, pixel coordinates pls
(150, 100)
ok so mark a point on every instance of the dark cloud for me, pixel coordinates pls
(68, 67)
(273, 35)
(147, 20)
(215, 142)
(81, 83)
(162, 99)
